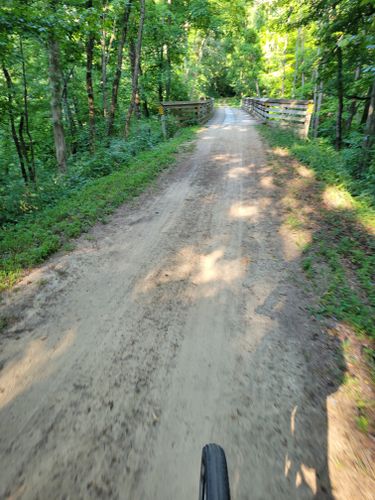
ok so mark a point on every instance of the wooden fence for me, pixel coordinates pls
(188, 112)
(285, 112)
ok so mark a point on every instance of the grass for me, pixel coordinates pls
(362, 424)
(339, 260)
(294, 222)
(342, 246)
(364, 411)
(333, 167)
(30, 242)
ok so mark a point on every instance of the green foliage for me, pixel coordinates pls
(18, 200)
(334, 167)
(32, 240)
(344, 249)
(341, 300)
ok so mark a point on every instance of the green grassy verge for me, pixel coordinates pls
(334, 208)
(29, 242)
(341, 252)
(335, 168)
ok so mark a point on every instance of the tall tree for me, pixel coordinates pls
(369, 137)
(105, 53)
(137, 61)
(16, 139)
(28, 148)
(89, 84)
(120, 54)
(340, 96)
(56, 95)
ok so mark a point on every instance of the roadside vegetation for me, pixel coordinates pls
(332, 214)
(37, 235)
(346, 241)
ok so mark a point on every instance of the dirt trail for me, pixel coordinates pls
(181, 322)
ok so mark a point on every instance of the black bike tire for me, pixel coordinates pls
(214, 482)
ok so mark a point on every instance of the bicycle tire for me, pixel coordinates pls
(214, 482)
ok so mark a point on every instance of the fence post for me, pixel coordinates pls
(164, 127)
(310, 108)
(163, 123)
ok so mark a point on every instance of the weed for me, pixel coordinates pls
(350, 380)
(362, 424)
(294, 222)
(68, 246)
(307, 266)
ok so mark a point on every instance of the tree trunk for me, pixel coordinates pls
(340, 96)
(69, 115)
(296, 66)
(89, 85)
(106, 50)
(354, 104)
(284, 67)
(366, 107)
(302, 60)
(77, 112)
(168, 57)
(317, 109)
(55, 83)
(30, 146)
(315, 94)
(132, 58)
(135, 97)
(12, 123)
(23, 145)
(257, 88)
(146, 111)
(160, 80)
(116, 80)
(103, 45)
(369, 138)
(169, 74)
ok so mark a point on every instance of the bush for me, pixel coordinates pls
(18, 201)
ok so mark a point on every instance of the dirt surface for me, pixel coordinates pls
(183, 321)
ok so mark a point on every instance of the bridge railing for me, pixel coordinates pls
(284, 112)
(188, 112)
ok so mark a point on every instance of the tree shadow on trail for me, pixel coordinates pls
(287, 413)
(298, 452)
(269, 408)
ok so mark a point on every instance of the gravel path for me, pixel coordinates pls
(180, 322)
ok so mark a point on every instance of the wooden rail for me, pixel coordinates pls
(285, 112)
(189, 112)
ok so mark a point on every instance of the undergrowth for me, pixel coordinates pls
(40, 233)
(18, 202)
(341, 252)
(338, 168)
